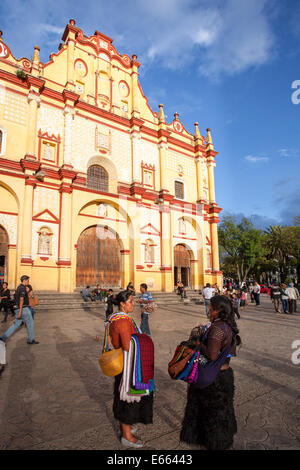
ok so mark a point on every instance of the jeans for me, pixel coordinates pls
(27, 317)
(276, 301)
(292, 305)
(207, 302)
(86, 296)
(145, 324)
(257, 298)
(32, 312)
(285, 305)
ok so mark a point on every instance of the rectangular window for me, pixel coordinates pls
(179, 190)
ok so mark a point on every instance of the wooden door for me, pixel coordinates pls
(3, 254)
(182, 264)
(98, 258)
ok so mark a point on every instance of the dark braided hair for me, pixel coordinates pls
(222, 304)
(122, 296)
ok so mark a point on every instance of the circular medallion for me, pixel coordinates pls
(178, 127)
(124, 89)
(81, 68)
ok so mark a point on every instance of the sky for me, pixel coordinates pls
(231, 65)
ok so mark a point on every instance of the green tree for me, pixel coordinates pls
(277, 244)
(242, 243)
(292, 235)
(297, 221)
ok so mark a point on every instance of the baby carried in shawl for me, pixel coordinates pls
(190, 365)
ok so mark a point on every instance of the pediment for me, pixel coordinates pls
(150, 230)
(46, 216)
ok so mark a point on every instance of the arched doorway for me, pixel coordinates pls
(98, 258)
(182, 265)
(3, 254)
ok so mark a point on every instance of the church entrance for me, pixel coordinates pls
(3, 254)
(98, 258)
(182, 265)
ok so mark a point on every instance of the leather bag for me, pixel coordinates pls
(179, 361)
(112, 360)
(33, 301)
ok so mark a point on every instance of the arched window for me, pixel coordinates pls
(97, 178)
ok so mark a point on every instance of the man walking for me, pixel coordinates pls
(276, 296)
(23, 313)
(207, 293)
(144, 300)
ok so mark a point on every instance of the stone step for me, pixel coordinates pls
(60, 301)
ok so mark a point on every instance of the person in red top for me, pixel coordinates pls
(128, 414)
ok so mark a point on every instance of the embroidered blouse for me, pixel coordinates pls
(219, 337)
(120, 332)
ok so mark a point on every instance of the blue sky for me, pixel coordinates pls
(228, 64)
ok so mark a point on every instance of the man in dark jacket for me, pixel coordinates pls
(110, 305)
(275, 295)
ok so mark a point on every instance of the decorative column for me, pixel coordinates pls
(166, 248)
(134, 87)
(199, 151)
(135, 152)
(136, 188)
(125, 256)
(115, 102)
(29, 168)
(210, 155)
(69, 114)
(65, 230)
(195, 273)
(27, 221)
(163, 135)
(35, 86)
(215, 244)
(69, 37)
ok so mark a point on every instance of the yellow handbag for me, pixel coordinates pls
(111, 362)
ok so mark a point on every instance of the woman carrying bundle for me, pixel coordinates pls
(209, 415)
(121, 329)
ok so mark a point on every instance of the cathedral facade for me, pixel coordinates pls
(95, 187)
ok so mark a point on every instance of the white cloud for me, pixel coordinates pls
(288, 152)
(252, 159)
(220, 37)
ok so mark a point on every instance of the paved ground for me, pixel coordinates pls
(53, 395)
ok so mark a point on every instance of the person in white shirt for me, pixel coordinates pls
(256, 293)
(292, 295)
(207, 293)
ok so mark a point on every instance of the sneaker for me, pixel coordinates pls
(33, 342)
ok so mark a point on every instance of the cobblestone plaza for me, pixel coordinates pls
(54, 396)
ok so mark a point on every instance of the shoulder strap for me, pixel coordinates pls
(106, 342)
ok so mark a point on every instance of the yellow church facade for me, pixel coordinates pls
(95, 187)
